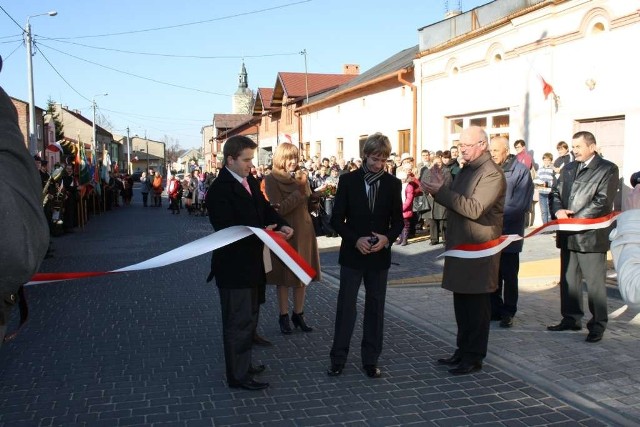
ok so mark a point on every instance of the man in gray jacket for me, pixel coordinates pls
(23, 227)
(475, 203)
(586, 188)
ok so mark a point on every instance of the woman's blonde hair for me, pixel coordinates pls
(284, 152)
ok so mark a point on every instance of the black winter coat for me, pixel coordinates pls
(240, 264)
(589, 194)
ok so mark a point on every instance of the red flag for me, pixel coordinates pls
(547, 89)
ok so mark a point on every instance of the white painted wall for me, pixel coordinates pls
(388, 112)
(513, 83)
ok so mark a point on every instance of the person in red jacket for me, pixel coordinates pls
(173, 191)
(408, 191)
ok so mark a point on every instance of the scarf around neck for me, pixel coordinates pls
(373, 180)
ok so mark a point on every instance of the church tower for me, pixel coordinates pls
(243, 98)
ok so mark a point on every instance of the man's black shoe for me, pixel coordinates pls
(335, 369)
(258, 340)
(249, 385)
(453, 360)
(564, 327)
(506, 322)
(465, 368)
(372, 371)
(593, 337)
(255, 370)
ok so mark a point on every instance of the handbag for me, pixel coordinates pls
(420, 204)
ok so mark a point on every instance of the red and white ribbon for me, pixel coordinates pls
(492, 247)
(576, 224)
(273, 240)
(480, 250)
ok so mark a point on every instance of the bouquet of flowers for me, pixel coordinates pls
(329, 190)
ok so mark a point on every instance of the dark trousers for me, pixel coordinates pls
(145, 199)
(592, 268)
(507, 286)
(239, 317)
(326, 216)
(436, 229)
(473, 315)
(375, 285)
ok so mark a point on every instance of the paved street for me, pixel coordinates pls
(145, 348)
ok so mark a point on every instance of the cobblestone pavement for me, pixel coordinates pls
(144, 348)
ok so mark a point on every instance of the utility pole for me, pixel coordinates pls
(33, 138)
(306, 88)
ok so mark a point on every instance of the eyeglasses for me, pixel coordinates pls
(465, 146)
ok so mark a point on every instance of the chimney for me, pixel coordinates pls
(351, 69)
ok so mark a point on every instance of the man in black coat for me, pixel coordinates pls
(234, 198)
(368, 216)
(23, 226)
(586, 188)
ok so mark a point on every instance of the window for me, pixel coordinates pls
(404, 137)
(307, 150)
(339, 148)
(361, 142)
(494, 123)
(319, 148)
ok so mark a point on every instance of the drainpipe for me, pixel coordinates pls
(414, 121)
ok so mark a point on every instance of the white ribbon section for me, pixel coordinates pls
(481, 253)
(204, 245)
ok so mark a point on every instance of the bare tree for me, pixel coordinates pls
(173, 149)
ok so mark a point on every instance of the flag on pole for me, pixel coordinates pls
(547, 89)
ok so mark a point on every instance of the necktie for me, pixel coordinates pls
(245, 184)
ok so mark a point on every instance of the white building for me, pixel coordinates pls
(487, 66)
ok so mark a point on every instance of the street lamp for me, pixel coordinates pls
(33, 143)
(95, 134)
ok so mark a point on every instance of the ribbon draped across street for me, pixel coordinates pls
(480, 250)
(273, 240)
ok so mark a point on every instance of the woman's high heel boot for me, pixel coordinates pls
(285, 327)
(298, 322)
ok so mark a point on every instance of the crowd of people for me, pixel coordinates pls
(470, 194)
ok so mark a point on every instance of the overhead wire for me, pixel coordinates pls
(11, 17)
(168, 55)
(60, 75)
(12, 52)
(187, 23)
(134, 75)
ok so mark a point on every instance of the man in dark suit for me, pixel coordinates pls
(23, 226)
(586, 188)
(234, 198)
(368, 216)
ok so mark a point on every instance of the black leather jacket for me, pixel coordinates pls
(589, 193)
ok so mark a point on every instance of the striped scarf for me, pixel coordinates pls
(373, 180)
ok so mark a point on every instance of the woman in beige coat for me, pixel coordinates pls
(288, 191)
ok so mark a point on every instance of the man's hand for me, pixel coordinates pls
(633, 199)
(286, 231)
(435, 181)
(563, 214)
(363, 245)
(382, 242)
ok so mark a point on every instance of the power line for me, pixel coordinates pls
(60, 75)
(153, 117)
(12, 41)
(12, 52)
(8, 37)
(171, 55)
(11, 17)
(134, 75)
(186, 24)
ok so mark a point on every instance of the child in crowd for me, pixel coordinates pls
(544, 182)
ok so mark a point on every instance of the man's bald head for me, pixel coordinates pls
(499, 149)
(473, 142)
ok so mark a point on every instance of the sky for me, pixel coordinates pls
(169, 66)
